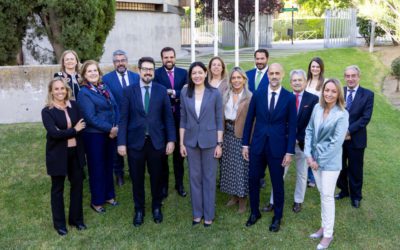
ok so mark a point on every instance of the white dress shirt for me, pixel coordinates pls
(125, 76)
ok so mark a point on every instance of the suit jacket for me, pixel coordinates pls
(99, 113)
(306, 107)
(241, 113)
(359, 116)
(202, 131)
(55, 123)
(114, 84)
(251, 75)
(159, 119)
(180, 79)
(324, 139)
(279, 127)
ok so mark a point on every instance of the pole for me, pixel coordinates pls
(236, 33)
(372, 39)
(192, 30)
(256, 24)
(292, 23)
(215, 8)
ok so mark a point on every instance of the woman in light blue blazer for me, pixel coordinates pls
(325, 135)
(201, 133)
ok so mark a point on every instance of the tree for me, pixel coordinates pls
(13, 25)
(396, 71)
(318, 7)
(226, 11)
(364, 28)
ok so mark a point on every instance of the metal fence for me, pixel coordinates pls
(340, 28)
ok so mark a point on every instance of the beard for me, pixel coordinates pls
(121, 69)
(169, 65)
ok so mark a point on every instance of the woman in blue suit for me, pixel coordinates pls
(325, 135)
(201, 133)
(100, 112)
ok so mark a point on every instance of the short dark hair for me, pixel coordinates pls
(166, 49)
(146, 59)
(265, 51)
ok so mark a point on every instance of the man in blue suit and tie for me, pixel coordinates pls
(359, 104)
(258, 76)
(273, 109)
(173, 78)
(146, 133)
(116, 80)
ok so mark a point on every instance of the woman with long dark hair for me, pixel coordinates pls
(201, 133)
(315, 76)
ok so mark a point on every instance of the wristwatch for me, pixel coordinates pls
(220, 143)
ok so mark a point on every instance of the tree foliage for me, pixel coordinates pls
(396, 71)
(226, 11)
(318, 7)
(364, 28)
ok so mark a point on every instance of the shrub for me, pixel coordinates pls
(396, 71)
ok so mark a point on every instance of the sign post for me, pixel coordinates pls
(292, 10)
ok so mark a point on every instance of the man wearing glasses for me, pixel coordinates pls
(116, 80)
(146, 134)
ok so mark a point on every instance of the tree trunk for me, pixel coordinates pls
(20, 56)
(398, 83)
(53, 31)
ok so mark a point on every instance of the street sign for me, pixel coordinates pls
(290, 9)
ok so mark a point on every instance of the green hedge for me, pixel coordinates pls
(300, 25)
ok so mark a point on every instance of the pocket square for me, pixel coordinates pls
(305, 106)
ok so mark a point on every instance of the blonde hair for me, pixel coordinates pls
(340, 99)
(62, 60)
(49, 99)
(84, 67)
(246, 91)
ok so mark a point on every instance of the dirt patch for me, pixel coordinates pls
(387, 54)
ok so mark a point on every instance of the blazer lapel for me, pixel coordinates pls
(138, 95)
(206, 96)
(191, 106)
(331, 117)
(117, 84)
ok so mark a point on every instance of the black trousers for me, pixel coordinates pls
(350, 180)
(177, 162)
(137, 160)
(75, 177)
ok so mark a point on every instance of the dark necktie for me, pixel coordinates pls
(349, 100)
(146, 99)
(272, 103)
(124, 85)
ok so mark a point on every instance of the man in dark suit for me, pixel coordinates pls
(173, 78)
(274, 110)
(116, 80)
(305, 103)
(258, 76)
(359, 104)
(146, 133)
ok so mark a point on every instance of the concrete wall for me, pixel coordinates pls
(23, 91)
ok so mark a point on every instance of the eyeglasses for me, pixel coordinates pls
(147, 69)
(120, 61)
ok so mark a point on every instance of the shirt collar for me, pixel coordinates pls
(167, 70)
(355, 89)
(263, 70)
(300, 94)
(278, 91)
(142, 84)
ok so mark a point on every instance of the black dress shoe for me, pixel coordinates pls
(157, 215)
(252, 219)
(296, 207)
(181, 191)
(138, 220)
(62, 231)
(194, 223)
(80, 226)
(268, 208)
(207, 224)
(356, 203)
(340, 196)
(100, 210)
(275, 225)
(119, 180)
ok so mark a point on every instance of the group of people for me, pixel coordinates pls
(241, 122)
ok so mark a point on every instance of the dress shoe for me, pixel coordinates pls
(242, 205)
(181, 191)
(356, 203)
(268, 208)
(253, 219)
(194, 223)
(62, 231)
(138, 220)
(233, 201)
(311, 184)
(100, 210)
(324, 243)
(207, 224)
(157, 215)
(275, 225)
(112, 202)
(79, 226)
(296, 207)
(340, 196)
(119, 180)
(318, 234)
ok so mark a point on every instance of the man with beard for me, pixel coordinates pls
(258, 76)
(273, 109)
(146, 133)
(116, 80)
(173, 78)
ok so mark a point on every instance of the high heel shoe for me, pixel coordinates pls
(324, 243)
(317, 234)
(100, 210)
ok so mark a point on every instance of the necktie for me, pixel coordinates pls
(258, 79)
(297, 102)
(124, 85)
(272, 103)
(349, 100)
(146, 99)
(171, 78)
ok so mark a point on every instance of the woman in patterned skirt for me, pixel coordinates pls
(234, 169)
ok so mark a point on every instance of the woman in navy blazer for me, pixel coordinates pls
(64, 153)
(201, 133)
(100, 112)
(325, 135)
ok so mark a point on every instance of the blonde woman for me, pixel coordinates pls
(69, 62)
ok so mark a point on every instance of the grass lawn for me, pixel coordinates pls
(25, 193)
